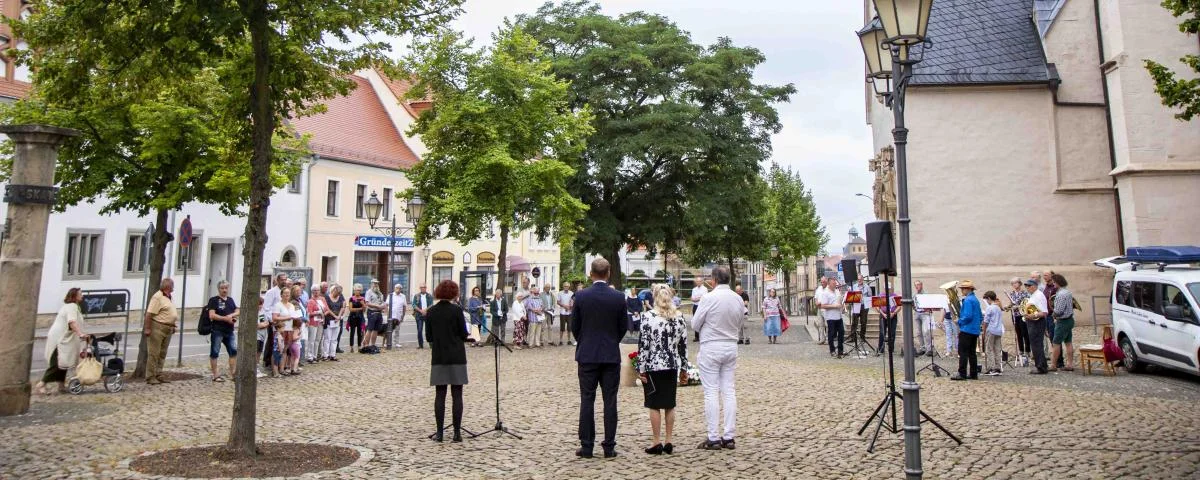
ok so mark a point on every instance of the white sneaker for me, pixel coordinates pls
(259, 374)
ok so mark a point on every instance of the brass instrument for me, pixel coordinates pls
(1028, 309)
(951, 289)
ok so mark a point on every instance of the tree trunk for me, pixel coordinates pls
(733, 281)
(502, 264)
(614, 271)
(242, 430)
(787, 290)
(158, 264)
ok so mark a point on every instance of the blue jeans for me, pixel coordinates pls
(217, 338)
(951, 335)
(420, 330)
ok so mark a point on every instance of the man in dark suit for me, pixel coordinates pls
(598, 323)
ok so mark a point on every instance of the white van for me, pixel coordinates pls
(1156, 318)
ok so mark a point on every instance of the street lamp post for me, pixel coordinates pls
(901, 24)
(373, 208)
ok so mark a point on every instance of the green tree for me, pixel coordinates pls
(727, 223)
(277, 58)
(148, 144)
(499, 135)
(669, 115)
(1176, 92)
(793, 227)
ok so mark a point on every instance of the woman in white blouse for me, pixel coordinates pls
(662, 353)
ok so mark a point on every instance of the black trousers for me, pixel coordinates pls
(968, 361)
(608, 377)
(836, 332)
(1022, 334)
(1037, 342)
(420, 330)
(890, 325)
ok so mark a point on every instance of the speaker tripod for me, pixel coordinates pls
(888, 405)
(499, 426)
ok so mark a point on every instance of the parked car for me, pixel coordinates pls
(1155, 314)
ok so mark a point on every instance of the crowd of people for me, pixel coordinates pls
(1040, 308)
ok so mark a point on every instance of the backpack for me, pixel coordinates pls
(204, 326)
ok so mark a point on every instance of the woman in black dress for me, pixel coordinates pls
(357, 319)
(662, 353)
(447, 333)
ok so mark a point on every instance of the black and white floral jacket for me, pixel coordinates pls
(663, 343)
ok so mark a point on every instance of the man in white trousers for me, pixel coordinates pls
(719, 320)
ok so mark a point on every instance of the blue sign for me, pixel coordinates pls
(839, 266)
(185, 232)
(381, 241)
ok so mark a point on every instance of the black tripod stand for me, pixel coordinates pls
(937, 370)
(496, 344)
(888, 405)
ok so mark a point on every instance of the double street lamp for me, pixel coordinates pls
(892, 43)
(373, 208)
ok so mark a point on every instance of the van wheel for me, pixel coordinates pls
(1131, 361)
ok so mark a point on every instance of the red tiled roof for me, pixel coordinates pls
(13, 89)
(356, 128)
(400, 88)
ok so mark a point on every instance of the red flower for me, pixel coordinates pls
(633, 354)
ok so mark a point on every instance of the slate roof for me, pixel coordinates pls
(982, 42)
(1045, 11)
(356, 128)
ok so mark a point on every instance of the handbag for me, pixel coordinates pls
(88, 370)
(783, 322)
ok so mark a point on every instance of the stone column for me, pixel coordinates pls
(30, 195)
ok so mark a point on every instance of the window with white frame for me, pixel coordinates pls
(82, 259)
(21, 72)
(294, 184)
(189, 254)
(135, 253)
(331, 198)
(360, 196)
(387, 203)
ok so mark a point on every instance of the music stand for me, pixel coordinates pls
(499, 426)
(889, 399)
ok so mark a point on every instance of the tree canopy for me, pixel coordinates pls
(1176, 92)
(501, 139)
(671, 118)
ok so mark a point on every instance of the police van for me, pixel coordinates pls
(1155, 315)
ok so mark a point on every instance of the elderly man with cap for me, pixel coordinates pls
(970, 317)
(1035, 323)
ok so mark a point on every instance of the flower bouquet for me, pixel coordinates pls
(633, 360)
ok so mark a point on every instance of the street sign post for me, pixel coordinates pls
(185, 244)
(537, 272)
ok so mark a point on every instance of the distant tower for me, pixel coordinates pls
(853, 232)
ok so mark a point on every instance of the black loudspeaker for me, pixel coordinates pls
(881, 250)
(850, 270)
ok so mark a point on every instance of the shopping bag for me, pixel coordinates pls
(88, 370)
(783, 322)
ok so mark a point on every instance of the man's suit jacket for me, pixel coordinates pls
(499, 310)
(417, 303)
(599, 323)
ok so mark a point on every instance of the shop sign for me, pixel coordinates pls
(382, 241)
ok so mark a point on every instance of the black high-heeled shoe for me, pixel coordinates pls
(437, 436)
(668, 449)
(457, 436)
(657, 449)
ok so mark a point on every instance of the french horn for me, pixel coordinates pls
(1028, 309)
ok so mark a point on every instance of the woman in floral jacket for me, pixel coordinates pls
(662, 353)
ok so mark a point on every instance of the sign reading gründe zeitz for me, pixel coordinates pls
(382, 241)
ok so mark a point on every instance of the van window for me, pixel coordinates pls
(1172, 295)
(1144, 296)
(1123, 289)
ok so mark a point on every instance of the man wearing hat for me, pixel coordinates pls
(970, 317)
(1036, 325)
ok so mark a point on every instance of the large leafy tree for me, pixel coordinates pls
(793, 227)
(500, 134)
(671, 117)
(1176, 92)
(276, 58)
(149, 142)
(727, 222)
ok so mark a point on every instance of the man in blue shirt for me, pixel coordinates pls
(969, 318)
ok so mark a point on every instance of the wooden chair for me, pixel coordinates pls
(1095, 353)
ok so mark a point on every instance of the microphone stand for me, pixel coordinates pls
(496, 344)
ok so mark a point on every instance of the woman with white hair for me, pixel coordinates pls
(1016, 297)
(662, 353)
(772, 322)
(318, 309)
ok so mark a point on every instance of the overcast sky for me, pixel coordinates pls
(809, 43)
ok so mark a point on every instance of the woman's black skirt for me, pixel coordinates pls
(660, 390)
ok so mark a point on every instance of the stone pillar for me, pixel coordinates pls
(30, 195)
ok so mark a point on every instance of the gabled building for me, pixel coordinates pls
(1037, 141)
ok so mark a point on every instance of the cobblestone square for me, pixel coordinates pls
(798, 414)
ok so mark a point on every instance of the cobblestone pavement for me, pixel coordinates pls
(799, 412)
